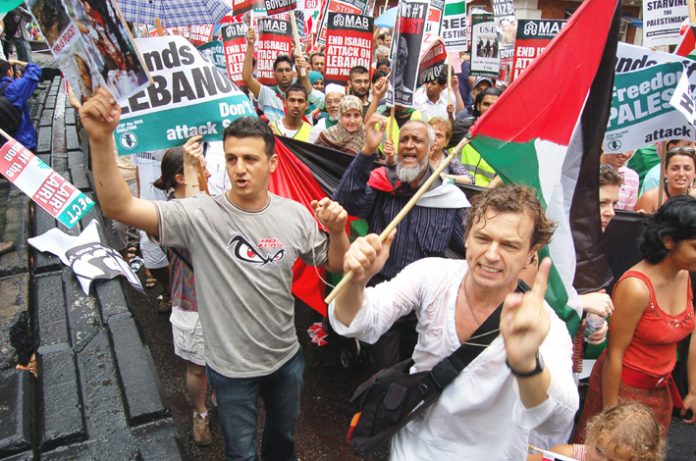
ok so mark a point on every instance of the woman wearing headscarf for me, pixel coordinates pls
(349, 135)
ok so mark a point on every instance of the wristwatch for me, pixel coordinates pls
(528, 374)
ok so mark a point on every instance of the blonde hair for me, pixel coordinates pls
(630, 425)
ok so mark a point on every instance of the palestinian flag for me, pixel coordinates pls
(546, 131)
(687, 47)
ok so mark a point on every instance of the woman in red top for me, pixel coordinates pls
(653, 312)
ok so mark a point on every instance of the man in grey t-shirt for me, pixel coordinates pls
(243, 246)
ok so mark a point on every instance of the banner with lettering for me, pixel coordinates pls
(485, 60)
(274, 38)
(349, 44)
(454, 26)
(406, 50)
(189, 96)
(235, 45)
(641, 109)
(91, 53)
(532, 37)
(363, 7)
(42, 184)
(274, 7)
(214, 53)
(662, 20)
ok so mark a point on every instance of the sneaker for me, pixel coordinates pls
(201, 430)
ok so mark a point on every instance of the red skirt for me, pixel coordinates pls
(659, 400)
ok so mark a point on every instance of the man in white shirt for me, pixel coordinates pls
(433, 98)
(522, 382)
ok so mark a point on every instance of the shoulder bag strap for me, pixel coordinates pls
(449, 368)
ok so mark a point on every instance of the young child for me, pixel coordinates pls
(186, 326)
(624, 432)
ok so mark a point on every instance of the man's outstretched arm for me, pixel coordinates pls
(100, 115)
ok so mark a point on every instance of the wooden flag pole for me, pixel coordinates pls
(5, 135)
(692, 12)
(296, 39)
(347, 277)
(202, 180)
(158, 26)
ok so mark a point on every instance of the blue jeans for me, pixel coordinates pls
(238, 408)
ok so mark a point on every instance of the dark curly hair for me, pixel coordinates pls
(676, 219)
(513, 199)
(251, 127)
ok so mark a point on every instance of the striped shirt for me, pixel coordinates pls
(424, 232)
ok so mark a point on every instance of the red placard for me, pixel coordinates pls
(349, 44)
(235, 45)
(275, 38)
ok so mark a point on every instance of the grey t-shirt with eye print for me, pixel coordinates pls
(243, 265)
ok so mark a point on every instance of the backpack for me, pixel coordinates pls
(10, 116)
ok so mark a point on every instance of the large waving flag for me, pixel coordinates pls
(546, 131)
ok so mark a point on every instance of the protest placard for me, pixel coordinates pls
(363, 7)
(662, 20)
(93, 47)
(235, 45)
(312, 11)
(485, 61)
(683, 98)
(214, 53)
(189, 96)
(432, 59)
(201, 34)
(436, 14)
(349, 44)
(275, 38)
(454, 26)
(506, 25)
(42, 184)
(532, 37)
(641, 113)
(274, 7)
(405, 51)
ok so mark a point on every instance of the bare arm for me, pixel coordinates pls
(631, 297)
(100, 115)
(690, 399)
(248, 65)
(379, 89)
(366, 257)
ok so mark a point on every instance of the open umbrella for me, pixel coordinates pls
(9, 5)
(174, 13)
(388, 18)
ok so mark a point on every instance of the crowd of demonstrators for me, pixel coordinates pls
(233, 323)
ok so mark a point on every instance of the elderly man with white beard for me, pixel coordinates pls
(433, 225)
